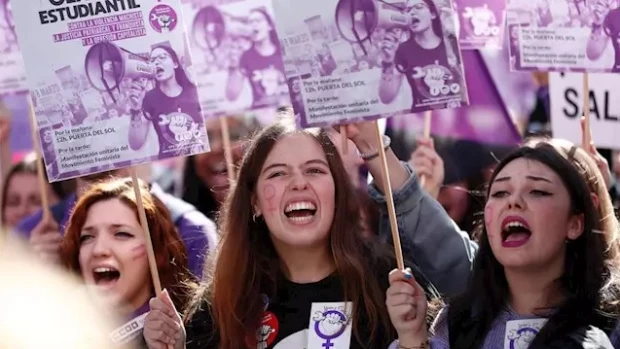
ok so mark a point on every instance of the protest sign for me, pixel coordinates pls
(12, 74)
(17, 107)
(369, 59)
(486, 120)
(113, 91)
(564, 35)
(566, 94)
(481, 23)
(237, 55)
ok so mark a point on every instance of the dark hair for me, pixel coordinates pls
(273, 35)
(28, 165)
(169, 249)
(590, 278)
(247, 263)
(196, 193)
(437, 26)
(179, 72)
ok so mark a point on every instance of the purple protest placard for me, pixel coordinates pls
(564, 35)
(112, 90)
(237, 55)
(481, 23)
(351, 60)
(486, 120)
(12, 73)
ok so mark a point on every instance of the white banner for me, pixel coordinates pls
(566, 94)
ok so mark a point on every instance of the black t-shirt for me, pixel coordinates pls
(176, 119)
(266, 75)
(427, 71)
(286, 320)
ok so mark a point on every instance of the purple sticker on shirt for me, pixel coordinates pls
(163, 18)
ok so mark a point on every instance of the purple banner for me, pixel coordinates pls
(113, 89)
(485, 120)
(481, 23)
(21, 139)
(564, 35)
(12, 73)
(237, 55)
(351, 60)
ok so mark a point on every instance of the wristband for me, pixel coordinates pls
(371, 155)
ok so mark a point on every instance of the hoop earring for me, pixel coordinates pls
(255, 216)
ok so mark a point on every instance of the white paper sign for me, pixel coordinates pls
(566, 95)
(330, 325)
(520, 333)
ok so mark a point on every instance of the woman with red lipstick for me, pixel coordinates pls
(292, 259)
(548, 261)
(105, 245)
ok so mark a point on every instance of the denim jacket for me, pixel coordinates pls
(428, 235)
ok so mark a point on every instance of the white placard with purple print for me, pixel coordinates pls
(109, 83)
(564, 35)
(481, 23)
(12, 73)
(330, 325)
(237, 56)
(352, 60)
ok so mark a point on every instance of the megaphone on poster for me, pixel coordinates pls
(211, 26)
(107, 65)
(358, 19)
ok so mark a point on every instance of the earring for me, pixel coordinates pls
(255, 216)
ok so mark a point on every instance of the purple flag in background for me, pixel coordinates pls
(352, 60)
(481, 23)
(237, 54)
(12, 73)
(485, 120)
(21, 139)
(564, 35)
(108, 83)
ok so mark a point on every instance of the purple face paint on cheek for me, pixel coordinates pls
(488, 216)
(269, 193)
(138, 252)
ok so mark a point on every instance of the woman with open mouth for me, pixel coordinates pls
(171, 109)
(292, 252)
(548, 262)
(426, 49)
(106, 246)
(261, 65)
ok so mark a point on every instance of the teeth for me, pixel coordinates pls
(304, 205)
(104, 270)
(515, 225)
(301, 219)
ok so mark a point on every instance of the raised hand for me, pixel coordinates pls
(426, 162)
(163, 326)
(406, 303)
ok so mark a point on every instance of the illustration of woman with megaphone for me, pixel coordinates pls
(423, 59)
(261, 65)
(599, 50)
(172, 107)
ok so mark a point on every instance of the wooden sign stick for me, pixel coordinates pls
(45, 206)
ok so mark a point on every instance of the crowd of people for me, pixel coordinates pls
(243, 264)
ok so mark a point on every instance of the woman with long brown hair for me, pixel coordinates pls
(292, 254)
(105, 244)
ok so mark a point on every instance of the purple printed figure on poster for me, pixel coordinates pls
(351, 60)
(115, 90)
(12, 74)
(481, 23)
(238, 55)
(564, 35)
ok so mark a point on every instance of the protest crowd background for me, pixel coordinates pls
(281, 224)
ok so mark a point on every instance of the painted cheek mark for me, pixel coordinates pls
(488, 217)
(138, 252)
(269, 193)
